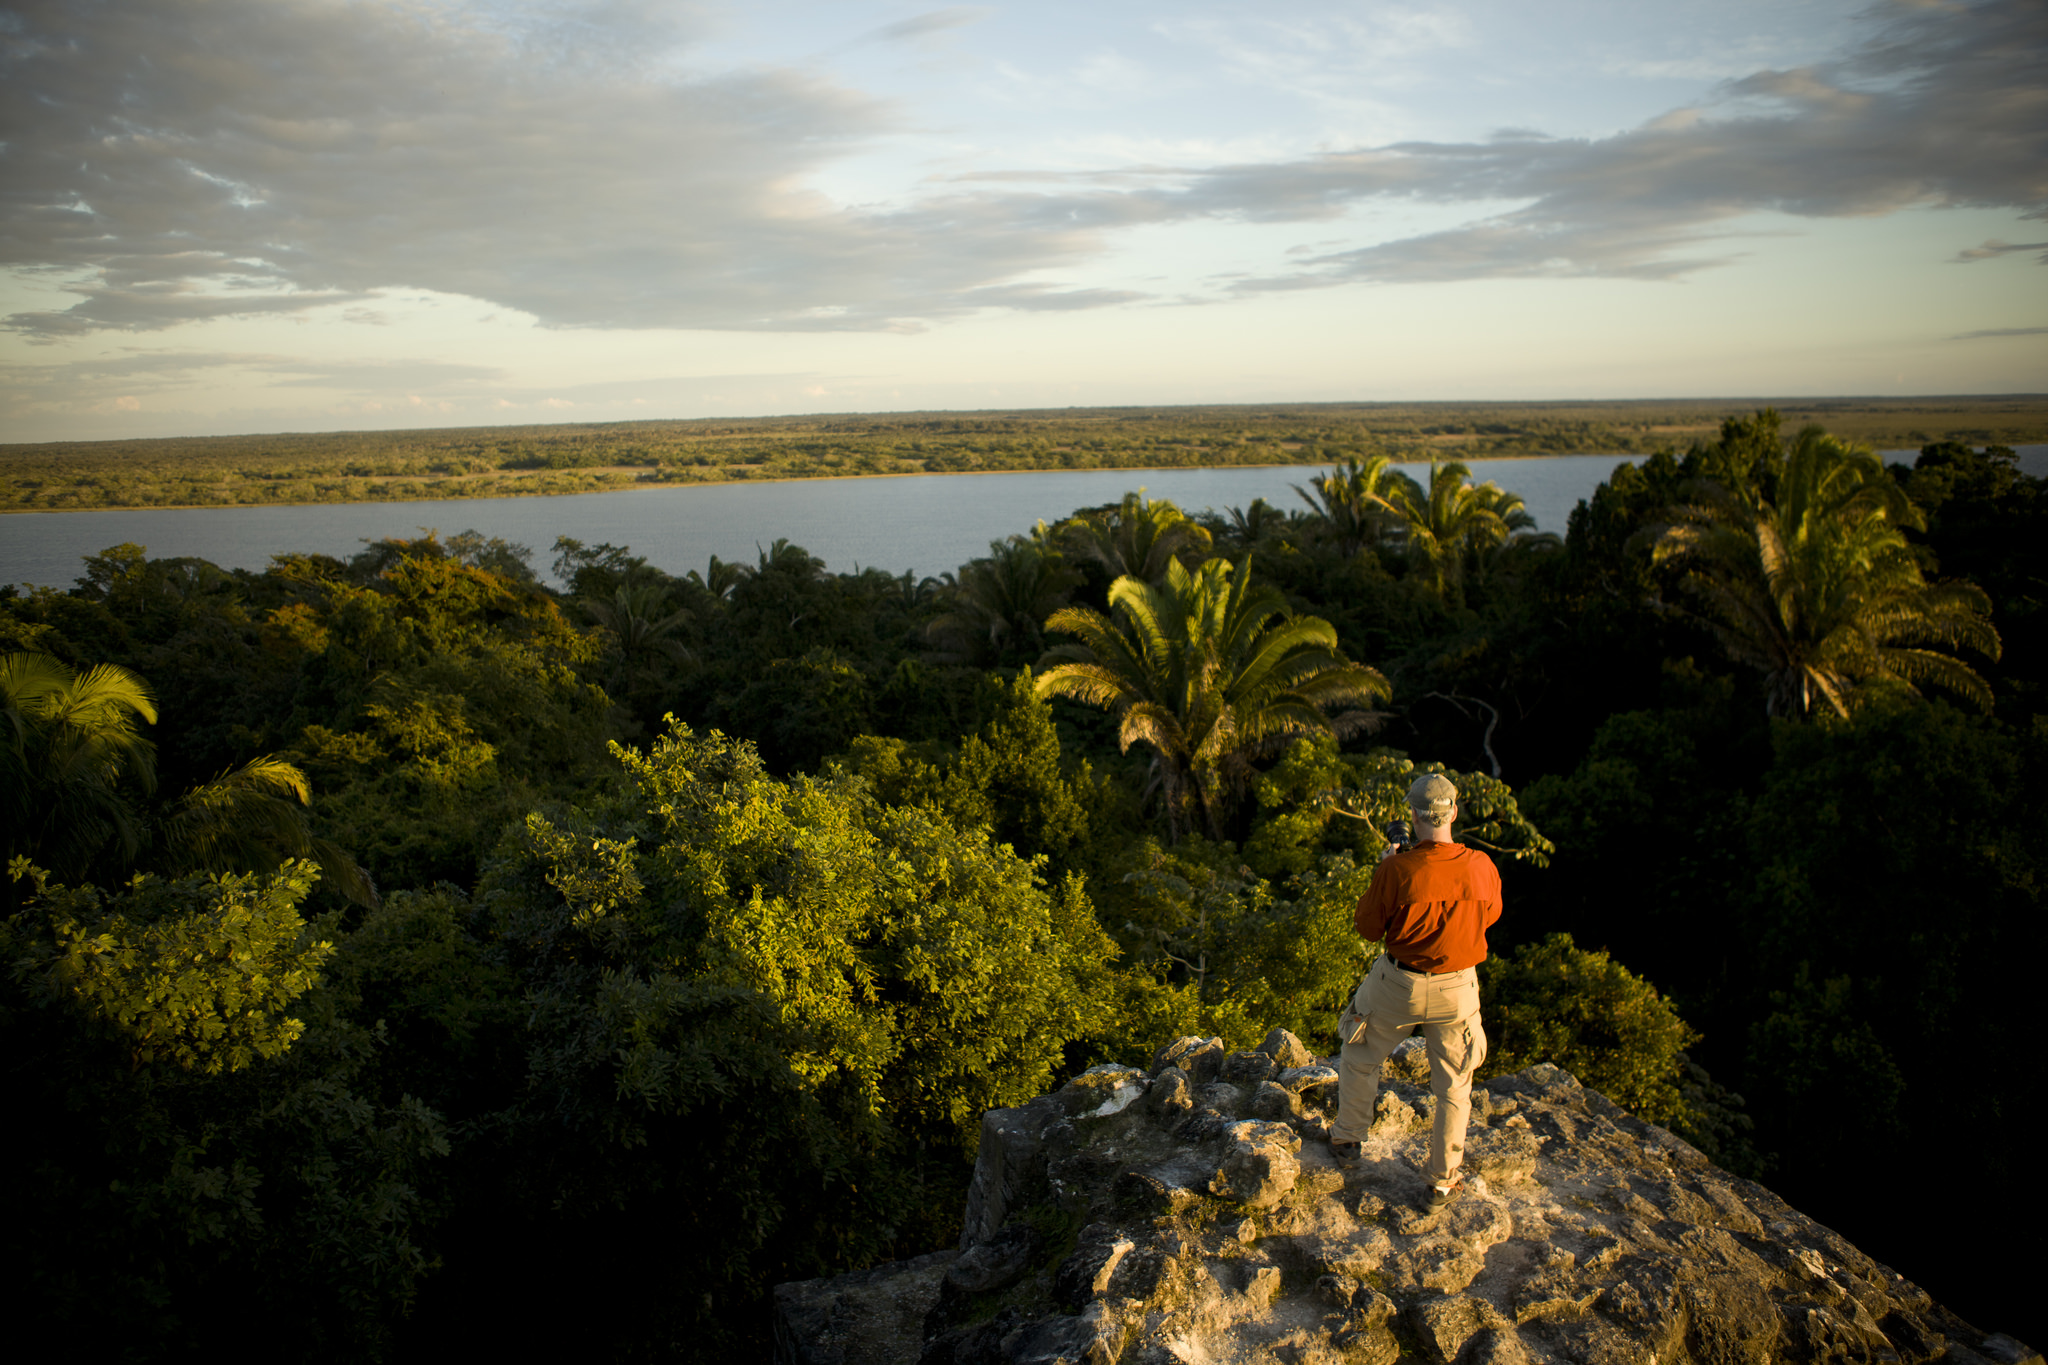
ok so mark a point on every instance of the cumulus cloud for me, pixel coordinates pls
(190, 159)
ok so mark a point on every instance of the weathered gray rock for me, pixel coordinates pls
(1286, 1050)
(1193, 1215)
(996, 1263)
(1201, 1058)
(871, 1317)
(1259, 1169)
(1409, 1062)
(1305, 1080)
(1172, 1092)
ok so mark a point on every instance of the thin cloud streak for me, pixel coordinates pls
(925, 25)
(1994, 248)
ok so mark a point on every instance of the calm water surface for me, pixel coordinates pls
(926, 524)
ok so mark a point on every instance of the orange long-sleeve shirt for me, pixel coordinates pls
(1432, 904)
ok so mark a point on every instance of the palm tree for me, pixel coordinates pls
(1442, 522)
(1510, 533)
(998, 604)
(638, 617)
(720, 578)
(1356, 501)
(1252, 527)
(253, 817)
(71, 743)
(1139, 537)
(1199, 672)
(1819, 590)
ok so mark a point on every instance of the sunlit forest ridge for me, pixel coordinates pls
(516, 461)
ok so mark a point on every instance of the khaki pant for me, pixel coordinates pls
(1391, 1002)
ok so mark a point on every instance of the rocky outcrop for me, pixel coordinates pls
(1192, 1212)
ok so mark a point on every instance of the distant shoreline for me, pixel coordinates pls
(485, 463)
(653, 485)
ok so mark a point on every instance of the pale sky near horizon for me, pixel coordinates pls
(300, 215)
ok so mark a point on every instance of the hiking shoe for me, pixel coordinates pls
(1443, 1191)
(1344, 1150)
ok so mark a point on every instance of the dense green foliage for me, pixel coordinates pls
(488, 462)
(417, 937)
(1556, 1002)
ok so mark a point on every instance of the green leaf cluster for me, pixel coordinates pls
(199, 972)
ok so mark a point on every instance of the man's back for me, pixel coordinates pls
(1433, 904)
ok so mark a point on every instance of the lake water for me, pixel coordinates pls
(926, 524)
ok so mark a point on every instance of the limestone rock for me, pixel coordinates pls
(996, 1263)
(1259, 1169)
(869, 1316)
(1101, 1091)
(1276, 1102)
(1173, 1051)
(1306, 1080)
(1172, 1092)
(1409, 1061)
(1192, 1214)
(1201, 1058)
(1286, 1050)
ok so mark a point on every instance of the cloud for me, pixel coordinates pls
(308, 152)
(925, 25)
(195, 159)
(1938, 108)
(1994, 248)
(149, 306)
(136, 370)
(2001, 332)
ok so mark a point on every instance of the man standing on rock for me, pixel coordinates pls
(1432, 903)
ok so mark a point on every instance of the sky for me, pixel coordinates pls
(226, 216)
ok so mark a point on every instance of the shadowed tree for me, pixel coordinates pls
(1211, 674)
(1355, 501)
(70, 745)
(998, 604)
(1254, 526)
(1818, 588)
(638, 617)
(75, 768)
(719, 577)
(1509, 536)
(1139, 537)
(253, 819)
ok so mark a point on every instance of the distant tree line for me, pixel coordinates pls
(510, 461)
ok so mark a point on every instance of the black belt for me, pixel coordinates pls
(1419, 971)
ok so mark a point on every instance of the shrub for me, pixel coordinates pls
(1557, 1002)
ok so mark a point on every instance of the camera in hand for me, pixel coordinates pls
(1399, 833)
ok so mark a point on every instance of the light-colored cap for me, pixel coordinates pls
(1434, 793)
